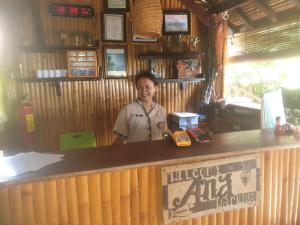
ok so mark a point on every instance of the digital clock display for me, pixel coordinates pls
(81, 11)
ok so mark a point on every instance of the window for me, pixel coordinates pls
(263, 59)
(250, 79)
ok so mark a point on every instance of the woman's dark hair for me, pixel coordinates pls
(145, 75)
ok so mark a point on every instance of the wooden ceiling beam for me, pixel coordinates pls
(268, 11)
(283, 17)
(242, 15)
(227, 5)
(199, 12)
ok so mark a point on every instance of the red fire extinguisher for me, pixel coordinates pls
(26, 122)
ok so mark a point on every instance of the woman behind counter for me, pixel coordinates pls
(142, 119)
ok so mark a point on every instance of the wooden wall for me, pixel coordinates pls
(90, 105)
(134, 197)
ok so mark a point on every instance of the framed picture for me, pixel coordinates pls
(115, 61)
(116, 5)
(176, 22)
(189, 68)
(114, 27)
(82, 63)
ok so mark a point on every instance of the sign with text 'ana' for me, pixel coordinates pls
(196, 189)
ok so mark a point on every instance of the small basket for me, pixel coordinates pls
(147, 18)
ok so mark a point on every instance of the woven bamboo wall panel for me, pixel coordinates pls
(134, 197)
(94, 105)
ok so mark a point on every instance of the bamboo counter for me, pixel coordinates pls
(121, 184)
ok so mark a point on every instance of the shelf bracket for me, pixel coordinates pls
(57, 88)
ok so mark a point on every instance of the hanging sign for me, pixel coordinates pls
(196, 189)
(68, 10)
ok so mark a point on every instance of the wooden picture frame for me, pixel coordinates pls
(176, 22)
(115, 61)
(189, 68)
(82, 63)
(114, 27)
(116, 5)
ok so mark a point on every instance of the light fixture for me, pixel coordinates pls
(147, 19)
(225, 16)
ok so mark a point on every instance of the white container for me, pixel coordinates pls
(39, 73)
(51, 73)
(45, 73)
(58, 73)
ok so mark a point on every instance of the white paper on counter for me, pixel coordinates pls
(26, 162)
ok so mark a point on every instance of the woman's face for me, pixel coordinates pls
(145, 89)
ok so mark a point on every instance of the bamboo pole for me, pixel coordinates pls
(279, 185)
(285, 183)
(62, 201)
(134, 197)
(116, 198)
(143, 175)
(125, 197)
(106, 198)
(83, 200)
(251, 216)
(259, 206)
(39, 206)
(220, 218)
(291, 178)
(229, 217)
(152, 196)
(95, 199)
(236, 217)
(274, 187)
(51, 202)
(72, 200)
(27, 204)
(267, 187)
(16, 205)
(297, 191)
(5, 215)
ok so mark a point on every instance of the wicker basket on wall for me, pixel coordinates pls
(147, 18)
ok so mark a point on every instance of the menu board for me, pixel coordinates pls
(82, 63)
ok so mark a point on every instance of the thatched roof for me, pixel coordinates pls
(249, 14)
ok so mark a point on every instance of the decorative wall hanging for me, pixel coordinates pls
(82, 63)
(115, 61)
(176, 22)
(147, 18)
(114, 27)
(118, 5)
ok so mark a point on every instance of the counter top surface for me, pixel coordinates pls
(133, 155)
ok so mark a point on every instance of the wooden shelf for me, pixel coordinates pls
(56, 79)
(169, 55)
(25, 48)
(180, 80)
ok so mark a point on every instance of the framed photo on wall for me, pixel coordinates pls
(116, 5)
(176, 22)
(82, 63)
(115, 61)
(114, 27)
